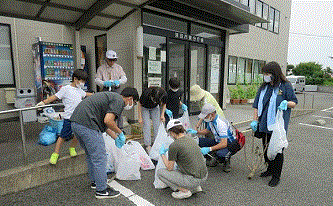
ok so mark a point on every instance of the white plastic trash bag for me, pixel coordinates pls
(279, 137)
(161, 139)
(145, 161)
(185, 119)
(158, 184)
(123, 161)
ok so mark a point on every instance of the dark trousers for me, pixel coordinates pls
(274, 166)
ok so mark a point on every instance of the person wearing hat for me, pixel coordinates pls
(110, 75)
(217, 148)
(186, 153)
(199, 95)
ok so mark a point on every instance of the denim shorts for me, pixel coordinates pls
(66, 132)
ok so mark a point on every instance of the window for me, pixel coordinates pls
(259, 6)
(271, 19)
(241, 70)
(205, 32)
(265, 15)
(7, 78)
(232, 70)
(248, 71)
(245, 2)
(252, 5)
(276, 21)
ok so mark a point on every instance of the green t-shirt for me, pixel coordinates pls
(91, 111)
(187, 154)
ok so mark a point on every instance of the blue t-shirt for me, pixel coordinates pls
(286, 92)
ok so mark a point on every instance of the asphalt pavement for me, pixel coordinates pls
(307, 177)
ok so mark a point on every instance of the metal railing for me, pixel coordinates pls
(22, 123)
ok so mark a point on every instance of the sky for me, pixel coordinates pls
(311, 32)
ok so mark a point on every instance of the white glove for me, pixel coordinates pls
(40, 104)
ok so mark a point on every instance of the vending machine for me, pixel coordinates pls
(53, 65)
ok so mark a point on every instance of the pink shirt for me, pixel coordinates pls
(105, 73)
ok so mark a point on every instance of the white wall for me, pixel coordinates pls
(262, 44)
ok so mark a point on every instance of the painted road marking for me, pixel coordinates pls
(136, 199)
(326, 110)
(310, 125)
(322, 117)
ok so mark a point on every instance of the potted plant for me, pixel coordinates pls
(242, 94)
(251, 92)
(234, 95)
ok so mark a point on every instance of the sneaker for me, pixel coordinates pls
(274, 182)
(72, 152)
(107, 193)
(226, 166)
(197, 189)
(211, 162)
(54, 158)
(266, 174)
(93, 185)
(181, 195)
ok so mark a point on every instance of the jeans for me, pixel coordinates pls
(93, 143)
(222, 154)
(149, 115)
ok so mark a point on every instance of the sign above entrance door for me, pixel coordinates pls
(179, 35)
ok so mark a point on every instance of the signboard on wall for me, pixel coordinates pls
(154, 81)
(154, 67)
(214, 73)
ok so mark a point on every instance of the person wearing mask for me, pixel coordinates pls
(215, 149)
(173, 101)
(151, 108)
(71, 95)
(184, 151)
(197, 94)
(93, 116)
(275, 93)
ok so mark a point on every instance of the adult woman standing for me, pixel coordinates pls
(275, 93)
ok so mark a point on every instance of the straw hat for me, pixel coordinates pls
(196, 93)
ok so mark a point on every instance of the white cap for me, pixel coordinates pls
(206, 109)
(111, 54)
(173, 123)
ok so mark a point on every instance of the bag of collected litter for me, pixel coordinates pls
(279, 137)
(48, 136)
(109, 147)
(128, 164)
(146, 163)
(185, 119)
(161, 139)
(158, 184)
(55, 119)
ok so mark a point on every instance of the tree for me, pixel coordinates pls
(312, 71)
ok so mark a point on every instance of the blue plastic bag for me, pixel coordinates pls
(57, 125)
(48, 136)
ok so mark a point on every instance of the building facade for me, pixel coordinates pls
(195, 41)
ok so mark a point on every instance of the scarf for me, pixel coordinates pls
(271, 107)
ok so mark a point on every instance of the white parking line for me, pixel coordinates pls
(310, 125)
(326, 110)
(136, 199)
(322, 117)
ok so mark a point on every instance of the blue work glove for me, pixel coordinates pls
(184, 107)
(116, 83)
(254, 125)
(169, 113)
(205, 150)
(120, 140)
(163, 150)
(192, 131)
(283, 105)
(108, 83)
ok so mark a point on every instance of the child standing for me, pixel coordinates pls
(173, 101)
(151, 107)
(71, 95)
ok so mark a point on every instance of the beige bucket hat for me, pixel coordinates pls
(196, 93)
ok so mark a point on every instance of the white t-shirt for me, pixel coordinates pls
(71, 97)
(219, 128)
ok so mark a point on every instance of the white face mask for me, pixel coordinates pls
(128, 107)
(80, 85)
(267, 78)
(174, 90)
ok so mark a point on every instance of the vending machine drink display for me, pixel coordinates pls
(53, 65)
